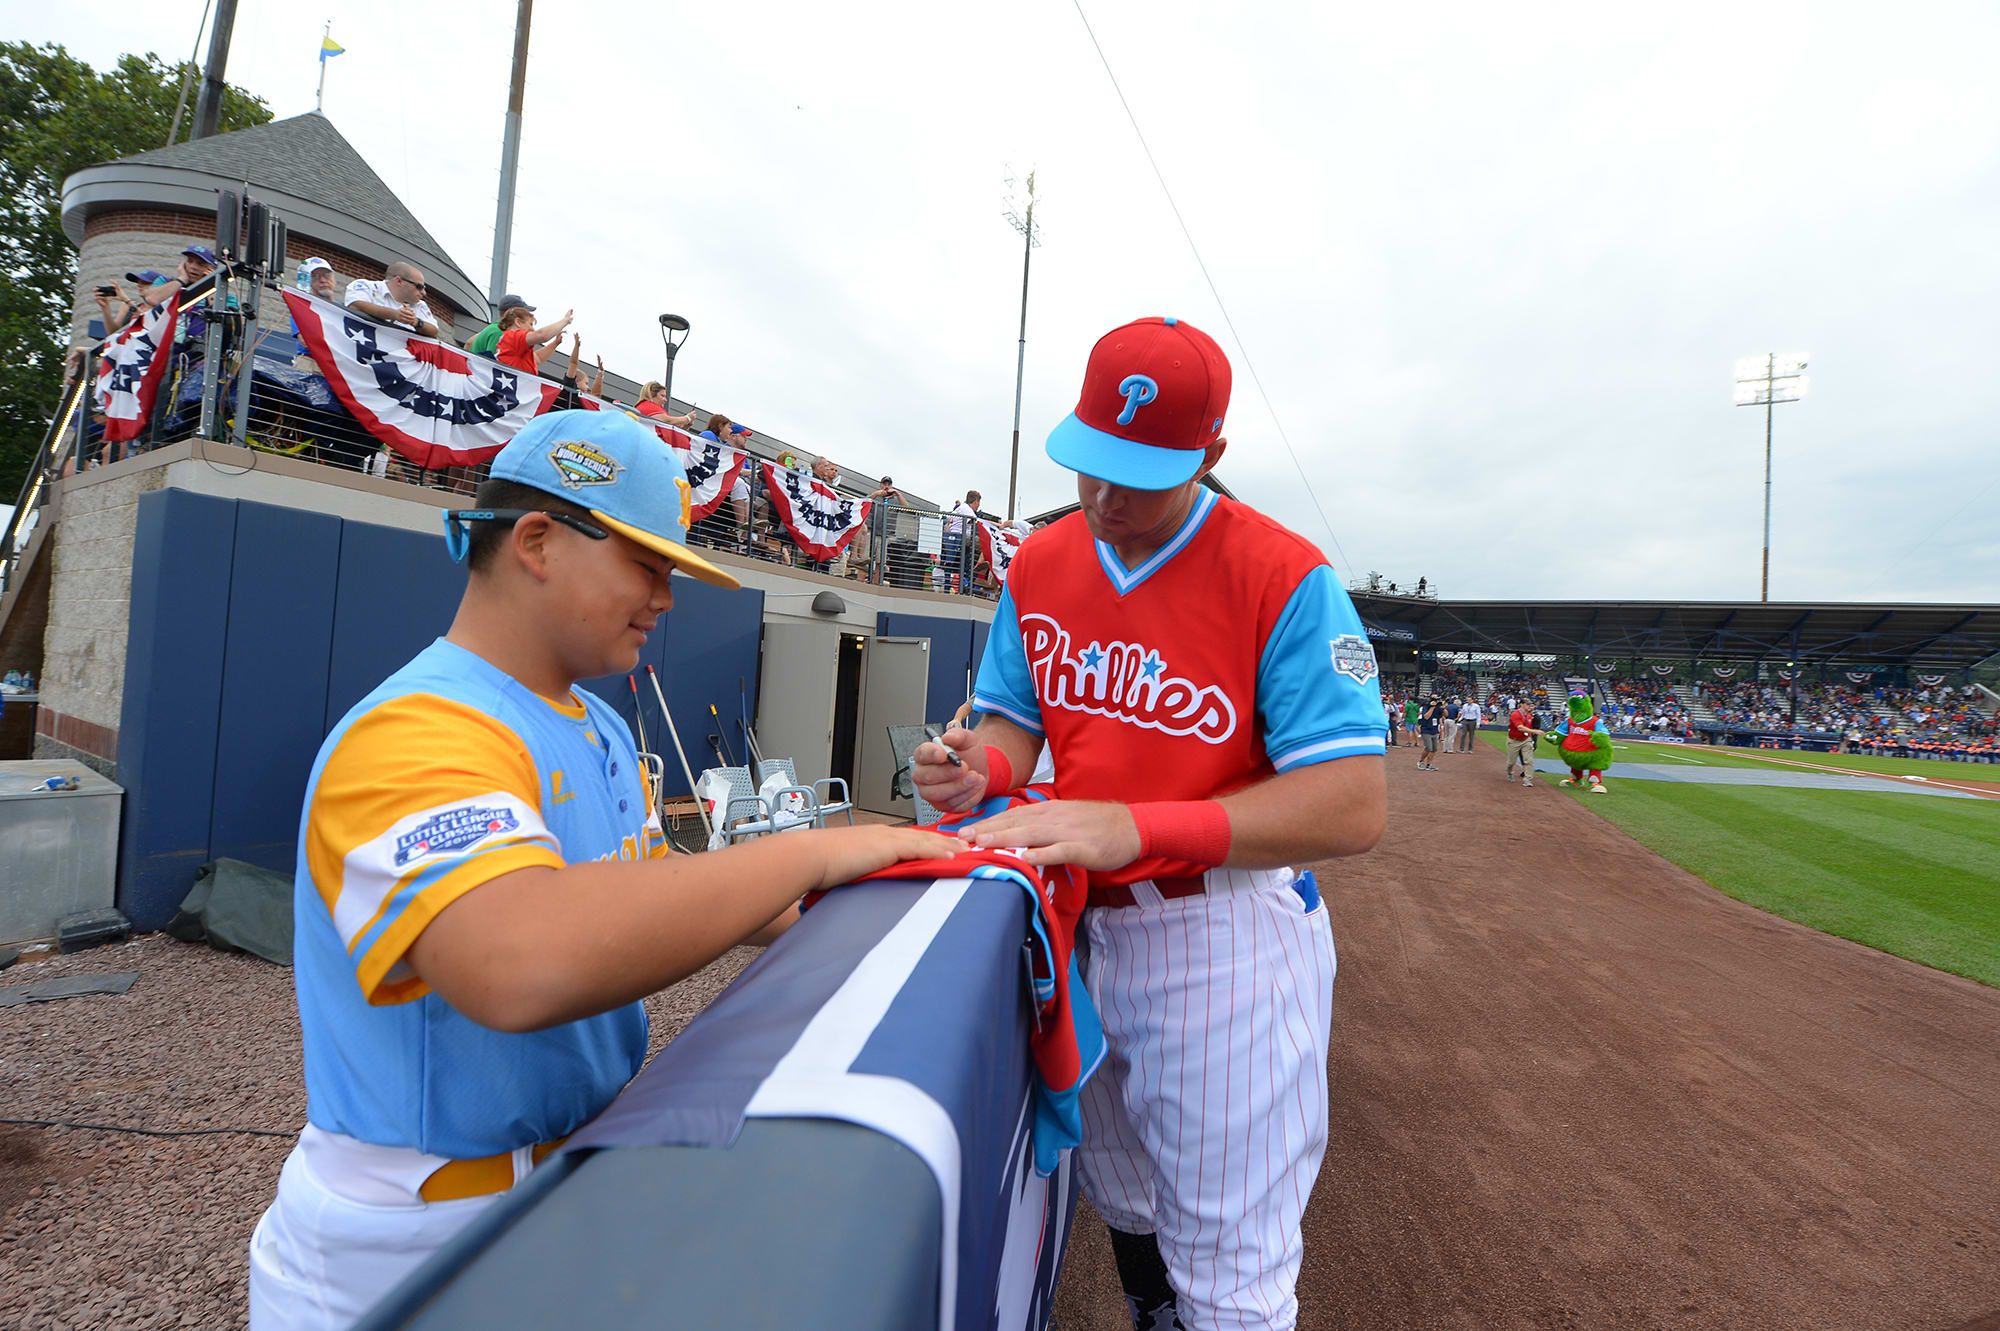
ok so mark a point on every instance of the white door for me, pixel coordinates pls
(895, 689)
(795, 696)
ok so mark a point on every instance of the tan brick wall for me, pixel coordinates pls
(90, 598)
(117, 243)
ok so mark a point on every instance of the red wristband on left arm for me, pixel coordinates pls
(1194, 830)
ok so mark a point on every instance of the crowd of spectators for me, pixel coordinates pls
(1643, 706)
(886, 549)
(1885, 714)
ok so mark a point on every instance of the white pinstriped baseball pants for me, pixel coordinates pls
(1206, 1123)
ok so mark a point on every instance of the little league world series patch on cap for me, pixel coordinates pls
(620, 471)
(1154, 397)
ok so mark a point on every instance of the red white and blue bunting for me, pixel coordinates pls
(1604, 667)
(1785, 675)
(1660, 668)
(128, 377)
(1858, 676)
(1723, 672)
(436, 406)
(998, 544)
(820, 518)
(711, 467)
(1929, 681)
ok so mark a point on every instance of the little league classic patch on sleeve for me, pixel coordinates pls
(454, 829)
(1353, 657)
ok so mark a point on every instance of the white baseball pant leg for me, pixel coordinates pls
(1207, 1121)
(319, 1260)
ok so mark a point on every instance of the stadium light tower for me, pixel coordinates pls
(1018, 207)
(1765, 381)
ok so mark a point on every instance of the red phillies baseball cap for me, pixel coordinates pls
(1154, 395)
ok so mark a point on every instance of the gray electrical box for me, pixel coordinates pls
(58, 848)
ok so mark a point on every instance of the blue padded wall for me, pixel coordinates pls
(274, 679)
(701, 648)
(182, 549)
(951, 657)
(397, 591)
(980, 629)
(255, 628)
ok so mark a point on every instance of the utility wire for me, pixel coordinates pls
(1241, 348)
(1938, 527)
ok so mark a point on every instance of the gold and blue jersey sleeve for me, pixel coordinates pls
(422, 799)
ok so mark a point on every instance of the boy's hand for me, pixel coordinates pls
(945, 785)
(850, 852)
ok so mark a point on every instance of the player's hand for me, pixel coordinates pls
(948, 787)
(849, 852)
(1087, 833)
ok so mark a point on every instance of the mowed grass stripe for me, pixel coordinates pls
(1635, 751)
(1916, 877)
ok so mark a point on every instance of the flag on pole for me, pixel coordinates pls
(329, 48)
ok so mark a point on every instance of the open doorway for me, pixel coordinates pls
(847, 705)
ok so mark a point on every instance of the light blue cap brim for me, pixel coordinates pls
(1087, 449)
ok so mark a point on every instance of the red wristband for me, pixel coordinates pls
(1193, 830)
(999, 772)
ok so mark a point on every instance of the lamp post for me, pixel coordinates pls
(1019, 210)
(1765, 381)
(673, 332)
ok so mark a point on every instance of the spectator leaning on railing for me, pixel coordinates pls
(398, 299)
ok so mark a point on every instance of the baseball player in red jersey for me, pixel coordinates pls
(1213, 710)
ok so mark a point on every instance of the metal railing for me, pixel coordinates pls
(272, 398)
(898, 546)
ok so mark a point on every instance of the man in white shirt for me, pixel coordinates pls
(964, 512)
(1468, 724)
(397, 300)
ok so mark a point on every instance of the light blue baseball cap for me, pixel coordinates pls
(619, 470)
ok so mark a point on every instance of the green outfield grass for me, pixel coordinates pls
(1637, 751)
(1914, 876)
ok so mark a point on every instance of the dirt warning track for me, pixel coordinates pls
(1574, 1087)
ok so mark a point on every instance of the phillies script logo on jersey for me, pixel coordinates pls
(1126, 681)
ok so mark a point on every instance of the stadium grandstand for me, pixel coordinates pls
(1904, 679)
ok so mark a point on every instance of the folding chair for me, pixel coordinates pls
(820, 805)
(903, 742)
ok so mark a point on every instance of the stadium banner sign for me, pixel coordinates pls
(1666, 739)
(128, 377)
(431, 403)
(998, 544)
(820, 518)
(1929, 681)
(1379, 632)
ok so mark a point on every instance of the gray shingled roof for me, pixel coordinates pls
(304, 155)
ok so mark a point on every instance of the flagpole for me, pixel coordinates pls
(319, 100)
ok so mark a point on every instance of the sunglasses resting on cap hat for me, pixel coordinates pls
(610, 464)
(1154, 396)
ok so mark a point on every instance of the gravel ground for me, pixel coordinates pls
(110, 1230)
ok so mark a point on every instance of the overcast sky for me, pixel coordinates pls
(1493, 266)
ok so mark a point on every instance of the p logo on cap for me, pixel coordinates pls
(1154, 397)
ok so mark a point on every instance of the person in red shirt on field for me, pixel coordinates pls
(1521, 737)
(522, 345)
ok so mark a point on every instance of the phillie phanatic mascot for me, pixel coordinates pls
(1584, 742)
